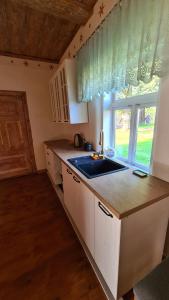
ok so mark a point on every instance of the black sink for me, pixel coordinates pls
(94, 168)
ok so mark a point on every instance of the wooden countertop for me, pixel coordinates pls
(122, 192)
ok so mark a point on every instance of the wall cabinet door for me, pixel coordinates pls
(52, 101)
(63, 93)
(107, 244)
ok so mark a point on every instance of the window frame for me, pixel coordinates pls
(134, 104)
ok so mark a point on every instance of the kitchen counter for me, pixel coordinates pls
(122, 192)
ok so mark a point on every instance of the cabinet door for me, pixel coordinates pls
(53, 103)
(86, 216)
(50, 164)
(79, 201)
(107, 244)
(57, 99)
(48, 155)
(71, 192)
(63, 95)
(63, 91)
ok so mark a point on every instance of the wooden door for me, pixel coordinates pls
(16, 148)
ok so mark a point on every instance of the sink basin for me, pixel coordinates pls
(94, 168)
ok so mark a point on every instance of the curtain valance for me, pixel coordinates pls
(131, 45)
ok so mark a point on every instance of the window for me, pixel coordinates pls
(122, 132)
(133, 125)
(145, 132)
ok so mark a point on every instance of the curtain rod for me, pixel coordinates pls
(119, 3)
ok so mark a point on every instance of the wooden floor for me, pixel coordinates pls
(40, 256)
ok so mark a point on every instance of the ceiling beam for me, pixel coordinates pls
(72, 10)
(25, 57)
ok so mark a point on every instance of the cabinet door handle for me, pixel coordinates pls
(106, 212)
(69, 172)
(75, 179)
(48, 163)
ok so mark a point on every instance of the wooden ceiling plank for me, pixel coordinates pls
(29, 33)
(58, 37)
(74, 11)
(34, 32)
(4, 26)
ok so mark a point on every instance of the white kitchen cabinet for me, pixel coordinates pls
(63, 93)
(71, 192)
(124, 250)
(107, 244)
(53, 166)
(79, 201)
(86, 216)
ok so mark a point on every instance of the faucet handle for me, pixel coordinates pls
(100, 139)
(101, 142)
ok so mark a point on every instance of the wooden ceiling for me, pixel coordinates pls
(40, 29)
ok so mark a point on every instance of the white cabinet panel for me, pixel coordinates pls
(79, 202)
(70, 192)
(121, 262)
(63, 93)
(107, 244)
(86, 216)
(53, 166)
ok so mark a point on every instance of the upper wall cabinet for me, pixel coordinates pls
(63, 92)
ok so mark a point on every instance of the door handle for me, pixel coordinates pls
(75, 179)
(106, 212)
(69, 172)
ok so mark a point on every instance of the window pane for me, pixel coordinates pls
(145, 132)
(122, 132)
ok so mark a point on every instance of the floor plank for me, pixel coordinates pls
(40, 256)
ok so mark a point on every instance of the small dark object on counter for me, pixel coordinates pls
(140, 173)
(78, 140)
(88, 147)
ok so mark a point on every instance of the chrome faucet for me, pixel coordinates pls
(101, 142)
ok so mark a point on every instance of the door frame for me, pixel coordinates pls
(22, 96)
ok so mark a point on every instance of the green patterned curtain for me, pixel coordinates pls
(131, 46)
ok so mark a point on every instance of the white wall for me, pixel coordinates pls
(161, 145)
(17, 77)
(34, 80)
